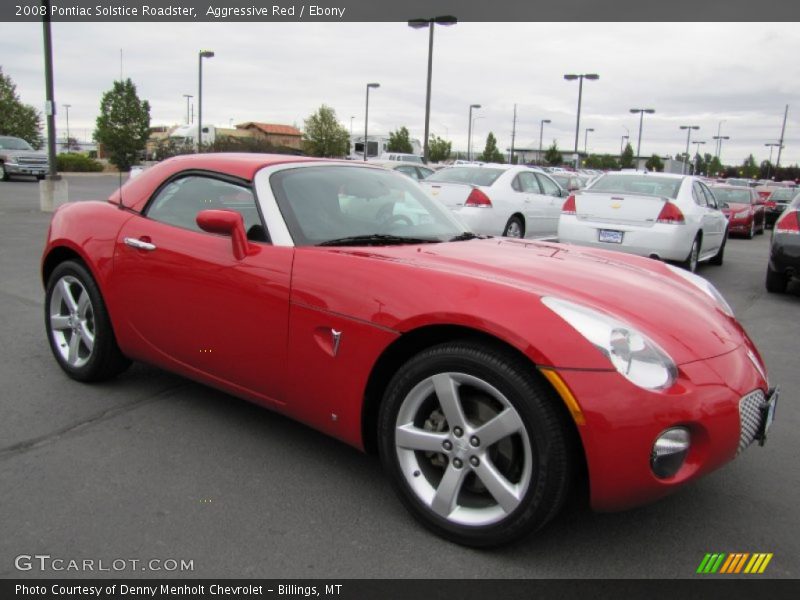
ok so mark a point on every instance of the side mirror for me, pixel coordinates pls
(225, 222)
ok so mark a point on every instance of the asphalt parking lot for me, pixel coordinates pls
(151, 465)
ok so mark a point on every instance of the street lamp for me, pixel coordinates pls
(366, 116)
(580, 78)
(719, 139)
(429, 23)
(688, 129)
(771, 146)
(696, 162)
(202, 54)
(66, 106)
(622, 144)
(641, 112)
(469, 131)
(188, 97)
(586, 139)
(541, 132)
(351, 124)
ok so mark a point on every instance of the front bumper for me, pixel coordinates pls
(740, 225)
(17, 169)
(623, 421)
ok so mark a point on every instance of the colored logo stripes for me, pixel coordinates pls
(737, 562)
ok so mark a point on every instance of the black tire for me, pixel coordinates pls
(513, 226)
(776, 282)
(537, 458)
(3, 172)
(763, 227)
(720, 255)
(103, 360)
(691, 261)
(40, 177)
(752, 231)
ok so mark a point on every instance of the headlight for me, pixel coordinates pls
(637, 358)
(704, 286)
(742, 214)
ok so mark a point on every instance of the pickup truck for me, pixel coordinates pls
(17, 157)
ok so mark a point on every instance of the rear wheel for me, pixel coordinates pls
(752, 230)
(78, 327)
(514, 228)
(720, 255)
(763, 225)
(776, 282)
(690, 264)
(475, 444)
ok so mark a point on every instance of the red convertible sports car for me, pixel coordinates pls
(491, 375)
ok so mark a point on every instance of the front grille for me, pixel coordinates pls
(32, 161)
(750, 416)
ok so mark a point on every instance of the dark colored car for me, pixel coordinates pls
(777, 202)
(784, 253)
(743, 207)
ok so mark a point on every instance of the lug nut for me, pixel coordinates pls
(474, 461)
(457, 463)
(458, 432)
(475, 441)
(447, 445)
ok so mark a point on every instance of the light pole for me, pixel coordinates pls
(351, 124)
(429, 23)
(66, 106)
(641, 112)
(541, 133)
(688, 129)
(475, 119)
(719, 139)
(366, 116)
(586, 139)
(202, 54)
(622, 144)
(580, 78)
(188, 97)
(469, 131)
(696, 162)
(771, 146)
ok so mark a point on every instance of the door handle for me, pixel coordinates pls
(139, 244)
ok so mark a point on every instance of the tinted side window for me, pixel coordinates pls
(180, 200)
(710, 198)
(527, 183)
(549, 187)
(697, 194)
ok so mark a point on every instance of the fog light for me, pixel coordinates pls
(669, 452)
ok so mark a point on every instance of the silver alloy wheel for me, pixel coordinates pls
(72, 323)
(473, 464)
(513, 229)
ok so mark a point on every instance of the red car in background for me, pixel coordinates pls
(491, 375)
(743, 207)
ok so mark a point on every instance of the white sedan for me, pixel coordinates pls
(492, 199)
(663, 216)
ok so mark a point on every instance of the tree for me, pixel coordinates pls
(490, 152)
(123, 125)
(654, 163)
(601, 161)
(324, 135)
(438, 149)
(749, 168)
(18, 119)
(714, 167)
(553, 156)
(626, 160)
(399, 141)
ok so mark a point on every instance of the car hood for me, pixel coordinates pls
(642, 292)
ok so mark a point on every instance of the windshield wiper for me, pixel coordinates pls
(377, 239)
(468, 235)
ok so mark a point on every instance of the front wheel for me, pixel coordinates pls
(720, 255)
(78, 326)
(475, 444)
(3, 172)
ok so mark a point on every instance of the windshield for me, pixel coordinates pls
(325, 204)
(728, 196)
(13, 143)
(647, 185)
(782, 194)
(471, 175)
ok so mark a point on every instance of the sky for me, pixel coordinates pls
(732, 78)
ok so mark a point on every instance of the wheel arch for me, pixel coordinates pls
(61, 253)
(417, 340)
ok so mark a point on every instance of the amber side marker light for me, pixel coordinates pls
(566, 395)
